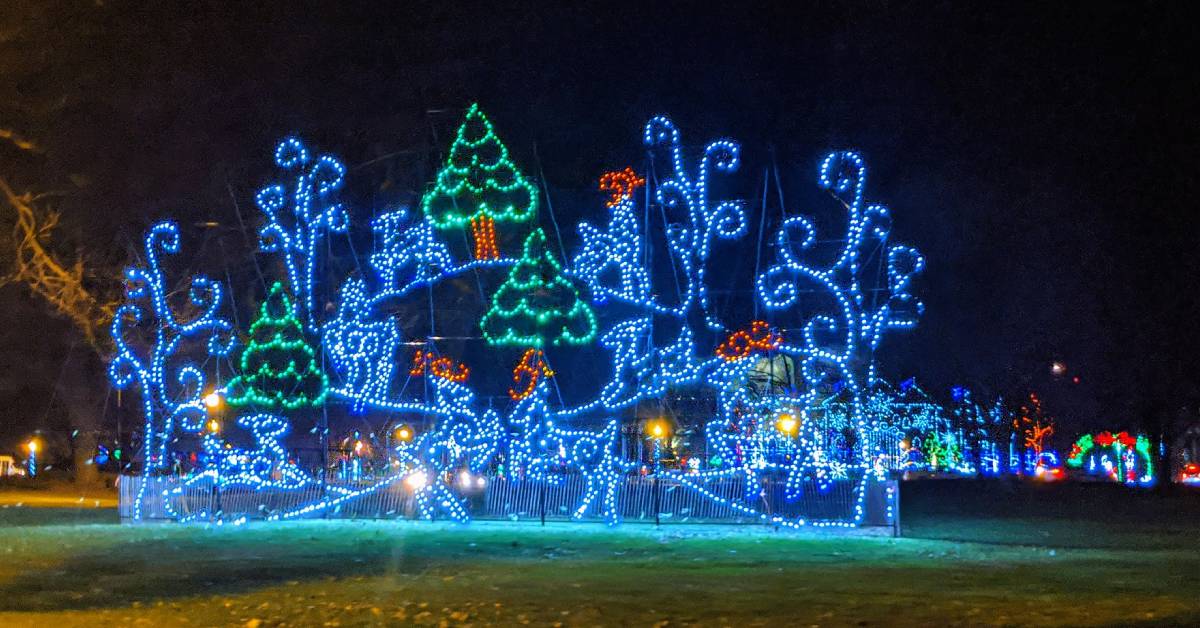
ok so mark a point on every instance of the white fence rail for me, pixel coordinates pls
(639, 498)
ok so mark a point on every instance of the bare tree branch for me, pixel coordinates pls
(18, 141)
(36, 267)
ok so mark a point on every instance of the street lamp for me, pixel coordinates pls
(212, 400)
(31, 462)
(787, 424)
(658, 431)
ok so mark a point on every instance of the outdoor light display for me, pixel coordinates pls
(1120, 457)
(171, 383)
(479, 186)
(1190, 474)
(1048, 468)
(278, 368)
(539, 306)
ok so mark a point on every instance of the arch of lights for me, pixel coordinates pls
(539, 435)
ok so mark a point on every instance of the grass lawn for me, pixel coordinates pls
(1002, 570)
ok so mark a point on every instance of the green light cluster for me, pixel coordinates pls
(536, 302)
(479, 180)
(1081, 448)
(278, 368)
(942, 452)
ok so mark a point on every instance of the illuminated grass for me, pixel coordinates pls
(363, 573)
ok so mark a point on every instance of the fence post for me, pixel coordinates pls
(895, 508)
(657, 505)
(542, 501)
(217, 496)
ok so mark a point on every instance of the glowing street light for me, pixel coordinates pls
(404, 434)
(658, 429)
(787, 424)
(212, 400)
(214, 426)
(31, 462)
(1058, 368)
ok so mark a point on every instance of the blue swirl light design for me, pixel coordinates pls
(691, 243)
(172, 384)
(537, 442)
(846, 339)
(313, 212)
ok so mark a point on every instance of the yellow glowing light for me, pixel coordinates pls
(403, 434)
(212, 400)
(214, 426)
(415, 481)
(33, 446)
(787, 424)
(358, 446)
(658, 429)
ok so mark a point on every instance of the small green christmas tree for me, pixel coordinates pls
(278, 368)
(537, 302)
(479, 185)
(942, 452)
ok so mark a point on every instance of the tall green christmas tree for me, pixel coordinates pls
(279, 369)
(537, 302)
(479, 185)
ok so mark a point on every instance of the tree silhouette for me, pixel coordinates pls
(537, 302)
(479, 185)
(278, 367)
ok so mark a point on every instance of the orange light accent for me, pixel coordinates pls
(1030, 425)
(526, 374)
(742, 343)
(445, 368)
(483, 233)
(1036, 436)
(621, 183)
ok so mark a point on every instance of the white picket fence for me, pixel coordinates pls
(639, 498)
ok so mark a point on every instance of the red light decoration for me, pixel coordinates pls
(1106, 439)
(445, 368)
(621, 183)
(742, 343)
(1190, 474)
(526, 374)
(483, 233)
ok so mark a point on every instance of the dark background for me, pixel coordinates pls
(1042, 156)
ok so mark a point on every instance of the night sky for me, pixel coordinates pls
(1042, 156)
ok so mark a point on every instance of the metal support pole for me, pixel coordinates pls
(542, 501)
(657, 505)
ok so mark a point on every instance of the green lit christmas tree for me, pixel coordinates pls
(537, 302)
(942, 452)
(279, 369)
(479, 185)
